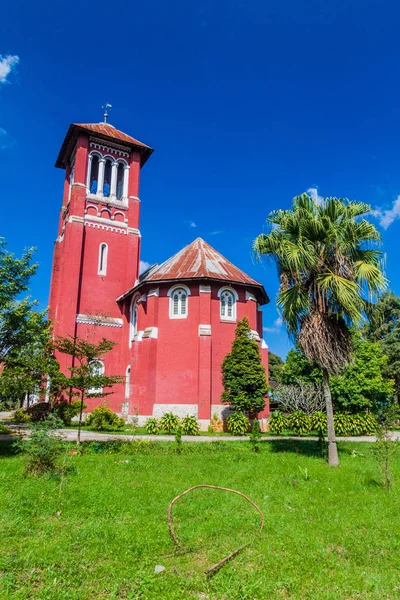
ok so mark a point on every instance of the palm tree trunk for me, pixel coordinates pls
(333, 458)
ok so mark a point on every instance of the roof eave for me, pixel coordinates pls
(72, 135)
(264, 296)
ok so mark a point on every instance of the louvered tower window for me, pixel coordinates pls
(179, 303)
(228, 307)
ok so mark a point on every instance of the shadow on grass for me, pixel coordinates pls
(306, 447)
(6, 448)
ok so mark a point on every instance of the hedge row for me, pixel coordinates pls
(300, 423)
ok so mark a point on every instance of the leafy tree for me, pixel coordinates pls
(275, 366)
(32, 368)
(299, 368)
(384, 327)
(86, 380)
(16, 315)
(327, 267)
(362, 384)
(243, 374)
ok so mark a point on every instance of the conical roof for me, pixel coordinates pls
(199, 260)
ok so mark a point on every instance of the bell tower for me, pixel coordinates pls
(97, 250)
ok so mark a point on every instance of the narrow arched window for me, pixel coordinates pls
(120, 181)
(179, 303)
(107, 178)
(133, 319)
(96, 368)
(128, 382)
(94, 174)
(103, 254)
(227, 305)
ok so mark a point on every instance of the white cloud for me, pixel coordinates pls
(216, 232)
(388, 215)
(313, 192)
(192, 224)
(276, 328)
(6, 65)
(143, 266)
(6, 141)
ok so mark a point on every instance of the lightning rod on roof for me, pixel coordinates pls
(106, 107)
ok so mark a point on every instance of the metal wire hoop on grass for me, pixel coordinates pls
(219, 564)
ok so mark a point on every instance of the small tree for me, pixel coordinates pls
(86, 380)
(243, 374)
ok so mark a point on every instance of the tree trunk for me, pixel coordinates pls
(78, 440)
(333, 458)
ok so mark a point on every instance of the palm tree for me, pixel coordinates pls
(329, 271)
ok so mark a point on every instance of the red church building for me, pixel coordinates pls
(173, 324)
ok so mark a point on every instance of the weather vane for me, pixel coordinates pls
(106, 107)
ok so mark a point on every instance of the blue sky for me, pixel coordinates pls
(247, 104)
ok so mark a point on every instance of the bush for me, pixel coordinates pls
(3, 429)
(238, 423)
(255, 436)
(152, 426)
(318, 423)
(66, 411)
(355, 424)
(169, 422)
(21, 416)
(190, 425)
(42, 448)
(39, 412)
(299, 422)
(277, 422)
(103, 418)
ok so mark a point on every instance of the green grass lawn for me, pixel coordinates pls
(329, 533)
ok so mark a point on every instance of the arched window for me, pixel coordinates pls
(133, 318)
(107, 178)
(96, 368)
(103, 254)
(128, 382)
(178, 305)
(94, 174)
(120, 181)
(227, 304)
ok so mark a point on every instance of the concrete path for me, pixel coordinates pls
(71, 434)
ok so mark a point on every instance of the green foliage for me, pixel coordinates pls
(243, 375)
(103, 418)
(299, 422)
(384, 328)
(4, 430)
(363, 385)
(299, 368)
(190, 425)
(277, 422)
(66, 411)
(255, 436)
(21, 416)
(41, 448)
(275, 367)
(169, 422)
(39, 411)
(85, 379)
(385, 448)
(318, 423)
(152, 426)
(238, 423)
(178, 440)
(355, 424)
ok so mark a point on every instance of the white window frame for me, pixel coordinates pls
(171, 293)
(233, 293)
(133, 323)
(102, 259)
(102, 369)
(128, 381)
(115, 162)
